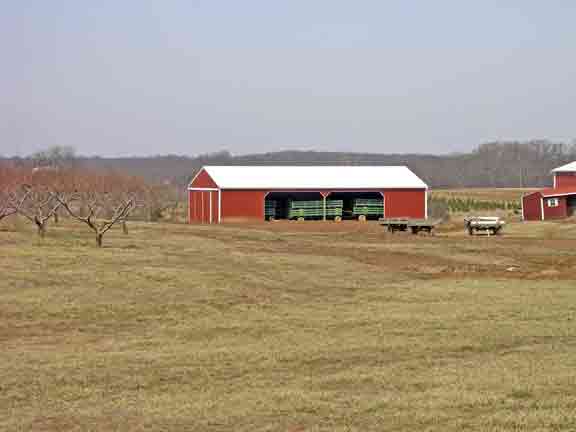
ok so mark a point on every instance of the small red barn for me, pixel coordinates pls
(553, 203)
(231, 193)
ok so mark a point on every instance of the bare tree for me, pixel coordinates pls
(10, 200)
(37, 204)
(99, 200)
(157, 199)
(95, 204)
(8, 204)
(54, 157)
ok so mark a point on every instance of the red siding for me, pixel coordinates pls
(565, 180)
(240, 205)
(531, 205)
(410, 203)
(556, 212)
(243, 204)
(203, 205)
(203, 180)
(199, 208)
(215, 206)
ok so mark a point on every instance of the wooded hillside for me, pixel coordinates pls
(497, 164)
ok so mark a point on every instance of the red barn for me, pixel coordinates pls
(553, 203)
(232, 193)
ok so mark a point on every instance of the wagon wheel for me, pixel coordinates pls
(362, 218)
(300, 219)
(338, 219)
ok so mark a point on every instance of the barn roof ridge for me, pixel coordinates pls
(570, 167)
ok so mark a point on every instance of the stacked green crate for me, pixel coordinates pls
(305, 209)
(368, 207)
(271, 209)
(334, 208)
(314, 209)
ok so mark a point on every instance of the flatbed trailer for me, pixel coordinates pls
(486, 224)
(414, 225)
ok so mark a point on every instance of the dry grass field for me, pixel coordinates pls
(288, 327)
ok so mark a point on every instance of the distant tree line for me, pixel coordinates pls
(494, 164)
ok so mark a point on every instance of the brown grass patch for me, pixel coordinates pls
(290, 327)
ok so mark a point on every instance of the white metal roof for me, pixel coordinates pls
(314, 177)
(571, 167)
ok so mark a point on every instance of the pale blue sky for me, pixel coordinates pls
(145, 77)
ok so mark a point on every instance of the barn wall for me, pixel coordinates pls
(214, 206)
(565, 180)
(531, 205)
(203, 180)
(242, 204)
(410, 203)
(556, 212)
(199, 206)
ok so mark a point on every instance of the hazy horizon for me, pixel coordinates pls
(143, 78)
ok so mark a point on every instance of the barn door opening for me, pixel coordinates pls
(294, 206)
(360, 205)
(571, 205)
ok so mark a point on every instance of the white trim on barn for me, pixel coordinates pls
(219, 205)
(558, 195)
(195, 176)
(542, 207)
(188, 208)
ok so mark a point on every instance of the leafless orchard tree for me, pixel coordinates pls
(100, 202)
(31, 194)
(99, 227)
(115, 204)
(13, 196)
(38, 205)
(9, 203)
(158, 199)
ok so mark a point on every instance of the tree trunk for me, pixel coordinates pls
(56, 218)
(124, 227)
(99, 239)
(174, 214)
(41, 230)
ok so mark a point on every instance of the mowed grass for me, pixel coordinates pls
(276, 328)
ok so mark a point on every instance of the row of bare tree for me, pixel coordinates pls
(99, 200)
